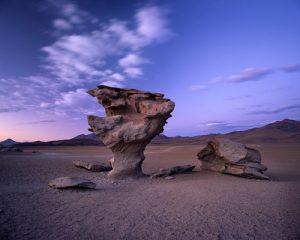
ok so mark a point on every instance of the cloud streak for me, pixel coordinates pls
(198, 87)
(291, 68)
(243, 96)
(247, 74)
(250, 74)
(45, 121)
(11, 109)
(221, 127)
(277, 110)
(254, 74)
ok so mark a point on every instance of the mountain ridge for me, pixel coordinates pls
(285, 131)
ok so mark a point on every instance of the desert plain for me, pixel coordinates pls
(197, 205)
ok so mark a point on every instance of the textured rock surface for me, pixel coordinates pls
(92, 166)
(166, 172)
(71, 182)
(132, 119)
(225, 156)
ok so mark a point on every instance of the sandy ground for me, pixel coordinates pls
(201, 205)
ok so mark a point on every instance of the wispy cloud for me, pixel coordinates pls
(212, 125)
(134, 72)
(131, 63)
(84, 53)
(250, 74)
(77, 101)
(243, 96)
(80, 58)
(291, 68)
(197, 87)
(27, 93)
(112, 84)
(70, 16)
(43, 96)
(254, 74)
(131, 60)
(277, 110)
(216, 123)
(221, 127)
(62, 24)
(10, 109)
(44, 121)
(152, 24)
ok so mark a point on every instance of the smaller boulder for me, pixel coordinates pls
(165, 172)
(71, 182)
(92, 166)
(228, 157)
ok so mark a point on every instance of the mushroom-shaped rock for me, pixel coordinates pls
(92, 166)
(133, 119)
(71, 182)
(225, 156)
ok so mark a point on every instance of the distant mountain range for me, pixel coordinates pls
(285, 131)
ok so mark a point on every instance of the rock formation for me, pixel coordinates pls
(71, 182)
(225, 156)
(92, 166)
(132, 119)
(166, 172)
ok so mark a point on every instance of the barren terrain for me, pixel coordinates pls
(200, 205)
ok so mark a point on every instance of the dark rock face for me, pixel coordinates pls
(92, 166)
(166, 172)
(71, 182)
(133, 119)
(225, 156)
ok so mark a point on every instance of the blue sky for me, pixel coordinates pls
(228, 65)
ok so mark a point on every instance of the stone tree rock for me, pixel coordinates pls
(132, 119)
(225, 156)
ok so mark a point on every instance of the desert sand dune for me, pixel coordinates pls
(201, 205)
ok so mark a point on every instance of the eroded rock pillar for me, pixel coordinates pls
(133, 119)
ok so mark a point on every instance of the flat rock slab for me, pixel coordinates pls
(92, 166)
(169, 177)
(10, 149)
(166, 172)
(71, 182)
